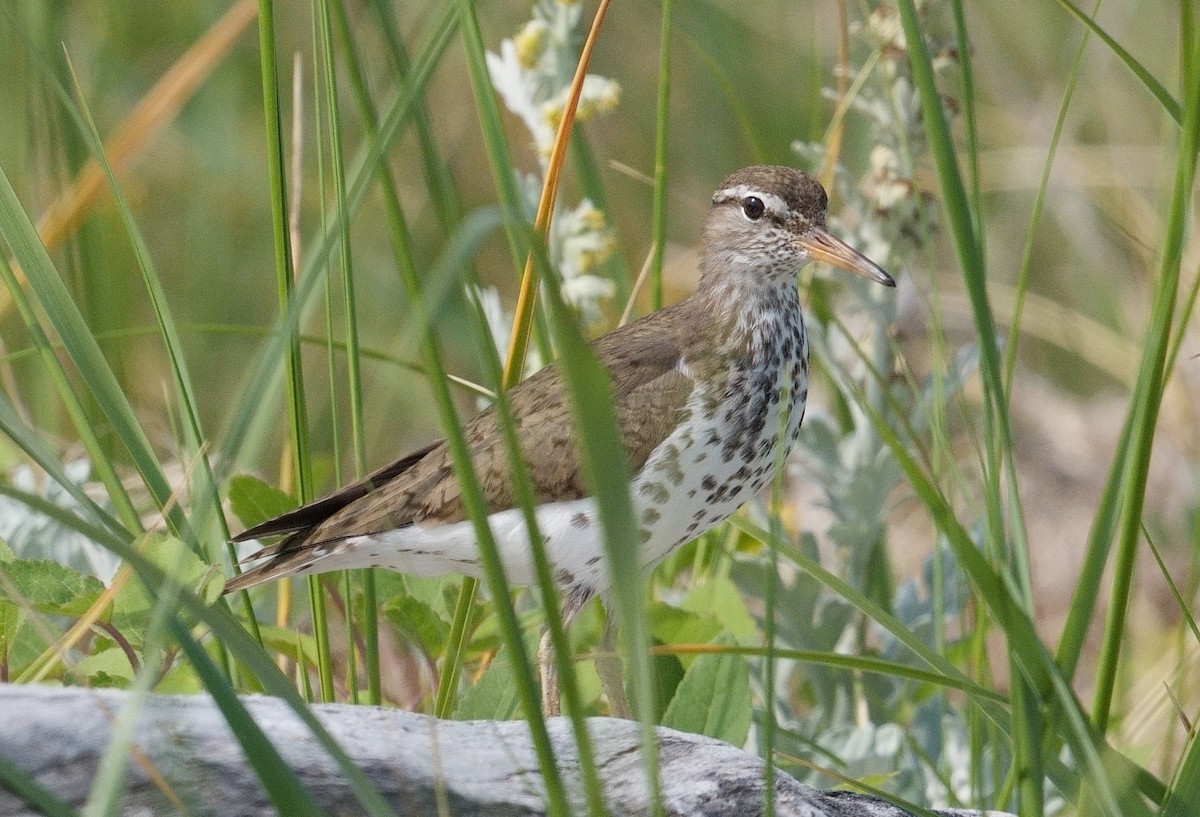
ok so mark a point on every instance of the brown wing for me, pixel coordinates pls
(649, 389)
(307, 516)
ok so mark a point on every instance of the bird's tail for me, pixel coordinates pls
(290, 557)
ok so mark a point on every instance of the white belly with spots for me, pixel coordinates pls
(708, 468)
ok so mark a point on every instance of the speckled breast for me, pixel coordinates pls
(728, 444)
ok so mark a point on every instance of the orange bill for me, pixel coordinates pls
(823, 245)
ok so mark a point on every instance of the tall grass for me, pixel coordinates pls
(145, 337)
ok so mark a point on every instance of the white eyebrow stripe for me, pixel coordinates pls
(775, 205)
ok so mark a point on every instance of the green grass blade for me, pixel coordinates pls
(77, 341)
(1168, 103)
(206, 504)
(462, 246)
(602, 459)
(1035, 215)
(524, 494)
(33, 793)
(296, 404)
(1184, 797)
(353, 356)
(438, 180)
(263, 379)
(658, 223)
(948, 674)
(63, 516)
(250, 654)
(1147, 399)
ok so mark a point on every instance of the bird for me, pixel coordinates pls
(705, 392)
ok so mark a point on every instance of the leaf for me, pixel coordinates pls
(714, 697)
(109, 667)
(132, 606)
(675, 626)
(254, 501)
(48, 587)
(416, 620)
(11, 619)
(290, 643)
(6, 552)
(719, 597)
(494, 697)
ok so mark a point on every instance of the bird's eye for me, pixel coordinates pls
(753, 207)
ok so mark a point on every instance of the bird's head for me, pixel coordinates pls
(768, 221)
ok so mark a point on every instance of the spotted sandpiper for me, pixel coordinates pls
(706, 392)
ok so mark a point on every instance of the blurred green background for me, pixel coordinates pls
(747, 80)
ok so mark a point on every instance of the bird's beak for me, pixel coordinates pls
(823, 245)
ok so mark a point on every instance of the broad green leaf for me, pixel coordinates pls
(719, 597)
(417, 621)
(48, 587)
(11, 619)
(134, 602)
(289, 643)
(672, 625)
(180, 680)
(254, 501)
(668, 675)
(110, 668)
(714, 697)
(494, 697)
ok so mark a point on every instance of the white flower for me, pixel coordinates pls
(533, 71)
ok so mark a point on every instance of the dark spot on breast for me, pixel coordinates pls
(580, 520)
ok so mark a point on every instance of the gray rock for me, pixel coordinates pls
(191, 763)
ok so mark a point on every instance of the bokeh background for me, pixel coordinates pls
(748, 80)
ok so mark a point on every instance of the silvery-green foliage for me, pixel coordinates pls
(907, 738)
(33, 535)
(532, 74)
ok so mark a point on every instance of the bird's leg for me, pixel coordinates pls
(549, 676)
(548, 671)
(610, 669)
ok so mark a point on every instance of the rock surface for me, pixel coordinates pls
(188, 761)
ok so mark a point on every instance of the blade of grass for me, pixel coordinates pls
(1184, 797)
(504, 180)
(1027, 650)
(523, 493)
(29, 441)
(230, 633)
(296, 409)
(1147, 399)
(1007, 540)
(438, 180)
(950, 674)
(207, 500)
(606, 472)
(247, 417)
(65, 517)
(1156, 89)
(30, 254)
(1039, 199)
(658, 219)
(370, 621)
(23, 785)
(462, 245)
(402, 249)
